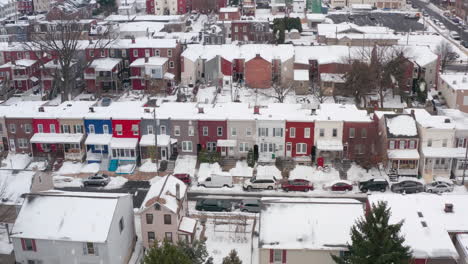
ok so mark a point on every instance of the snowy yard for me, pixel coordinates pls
(186, 164)
(71, 167)
(68, 181)
(16, 161)
(312, 174)
(5, 247)
(208, 169)
(241, 169)
(12, 186)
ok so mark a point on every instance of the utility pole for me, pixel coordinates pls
(155, 140)
(465, 164)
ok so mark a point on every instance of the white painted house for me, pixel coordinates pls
(73, 227)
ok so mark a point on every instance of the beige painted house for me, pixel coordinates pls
(242, 130)
(454, 88)
(328, 231)
(164, 212)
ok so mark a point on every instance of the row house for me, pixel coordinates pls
(241, 129)
(399, 143)
(23, 74)
(151, 74)
(208, 6)
(215, 34)
(25, 7)
(437, 144)
(453, 87)
(15, 32)
(251, 31)
(104, 75)
(229, 13)
(82, 228)
(98, 127)
(353, 35)
(7, 9)
(460, 119)
(166, 144)
(164, 213)
(162, 7)
(51, 71)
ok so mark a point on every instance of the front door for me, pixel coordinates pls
(12, 145)
(223, 151)
(288, 149)
(163, 154)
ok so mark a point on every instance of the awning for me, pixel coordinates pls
(169, 76)
(123, 143)
(162, 140)
(226, 143)
(430, 152)
(330, 145)
(410, 154)
(98, 139)
(187, 225)
(56, 138)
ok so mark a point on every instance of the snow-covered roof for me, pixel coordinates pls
(330, 144)
(403, 154)
(187, 225)
(301, 75)
(150, 27)
(144, 43)
(426, 120)
(22, 109)
(332, 77)
(433, 152)
(462, 240)
(229, 9)
(361, 6)
(330, 30)
(105, 64)
(422, 55)
(380, 114)
(460, 118)
(123, 143)
(163, 191)
(456, 81)
(162, 140)
(13, 186)
(432, 240)
(51, 138)
(19, 64)
(401, 126)
(314, 224)
(322, 54)
(152, 61)
(98, 139)
(247, 52)
(342, 112)
(142, 18)
(316, 17)
(67, 216)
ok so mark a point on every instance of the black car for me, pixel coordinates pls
(213, 205)
(407, 187)
(373, 185)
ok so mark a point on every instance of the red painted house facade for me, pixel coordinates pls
(209, 132)
(258, 73)
(299, 139)
(359, 141)
(46, 125)
(122, 128)
(23, 74)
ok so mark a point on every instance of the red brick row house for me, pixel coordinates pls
(23, 74)
(151, 74)
(104, 74)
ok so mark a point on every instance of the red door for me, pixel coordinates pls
(320, 161)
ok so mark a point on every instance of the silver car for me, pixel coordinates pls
(250, 205)
(438, 187)
(97, 179)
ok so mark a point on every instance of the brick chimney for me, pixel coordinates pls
(201, 110)
(256, 110)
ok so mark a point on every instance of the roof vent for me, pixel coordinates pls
(446, 120)
(464, 79)
(147, 110)
(69, 105)
(448, 208)
(200, 110)
(313, 111)
(423, 223)
(41, 109)
(454, 82)
(420, 214)
(91, 109)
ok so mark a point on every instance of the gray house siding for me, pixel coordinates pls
(241, 127)
(184, 135)
(212, 69)
(145, 123)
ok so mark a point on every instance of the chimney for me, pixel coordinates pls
(257, 110)
(447, 120)
(91, 109)
(313, 111)
(454, 82)
(412, 113)
(177, 191)
(41, 109)
(146, 59)
(133, 40)
(90, 41)
(448, 208)
(200, 110)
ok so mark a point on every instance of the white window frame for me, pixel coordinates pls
(205, 131)
(52, 128)
(135, 129)
(301, 148)
(171, 64)
(169, 53)
(191, 131)
(307, 132)
(263, 131)
(248, 132)
(22, 143)
(391, 145)
(278, 132)
(118, 129)
(277, 256)
(105, 129)
(412, 144)
(233, 131)
(322, 132)
(135, 53)
(335, 132)
(187, 146)
(402, 144)
(162, 130)
(219, 131)
(292, 132)
(176, 130)
(352, 132)
(244, 147)
(91, 129)
(150, 129)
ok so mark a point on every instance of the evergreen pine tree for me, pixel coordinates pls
(196, 251)
(166, 253)
(232, 258)
(375, 241)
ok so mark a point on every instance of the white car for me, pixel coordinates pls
(438, 187)
(265, 184)
(216, 181)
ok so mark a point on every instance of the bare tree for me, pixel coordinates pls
(318, 93)
(66, 44)
(446, 54)
(280, 92)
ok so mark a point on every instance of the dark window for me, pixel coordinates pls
(157, 207)
(167, 219)
(149, 219)
(151, 237)
(168, 236)
(121, 225)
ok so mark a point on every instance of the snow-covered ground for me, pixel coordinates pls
(12, 186)
(147, 166)
(69, 181)
(186, 164)
(207, 169)
(5, 247)
(16, 161)
(241, 169)
(312, 174)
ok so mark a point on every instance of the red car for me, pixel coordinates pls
(184, 177)
(297, 185)
(341, 186)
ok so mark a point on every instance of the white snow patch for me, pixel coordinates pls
(116, 182)
(317, 177)
(241, 169)
(90, 168)
(186, 164)
(70, 167)
(65, 181)
(148, 166)
(266, 171)
(12, 186)
(16, 161)
(207, 169)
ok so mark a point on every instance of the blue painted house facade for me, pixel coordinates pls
(99, 133)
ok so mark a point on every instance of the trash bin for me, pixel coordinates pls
(272, 155)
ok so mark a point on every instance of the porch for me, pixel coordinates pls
(227, 147)
(328, 151)
(68, 146)
(97, 147)
(439, 162)
(123, 151)
(167, 146)
(404, 162)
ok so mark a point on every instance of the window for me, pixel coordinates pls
(151, 237)
(301, 148)
(352, 132)
(412, 144)
(142, 82)
(322, 132)
(167, 219)
(27, 128)
(248, 131)
(147, 53)
(461, 143)
(187, 146)
(28, 244)
(243, 147)
(169, 53)
(65, 128)
(392, 144)
(135, 130)
(176, 130)
(124, 53)
(150, 129)
(156, 52)
(307, 132)
(277, 256)
(162, 130)
(429, 142)
(205, 131)
(52, 128)
(13, 128)
(91, 53)
(91, 129)
(112, 53)
(135, 53)
(277, 132)
(118, 128)
(105, 129)
(149, 219)
(402, 144)
(171, 64)
(211, 146)
(334, 132)
(363, 133)
(191, 131)
(263, 131)
(103, 53)
(292, 132)
(157, 207)
(168, 236)
(121, 224)
(233, 131)
(358, 149)
(22, 143)
(236, 29)
(78, 128)
(444, 143)
(219, 131)
(90, 249)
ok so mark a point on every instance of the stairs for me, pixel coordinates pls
(343, 168)
(170, 166)
(113, 165)
(228, 163)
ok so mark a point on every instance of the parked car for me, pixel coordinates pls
(254, 183)
(340, 185)
(213, 205)
(407, 187)
(454, 35)
(106, 101)
(297, 185)
(464, 44)
(250, 205)
(373, 185)
(184, 177)
(438, 187)
(98, 179)
(216, 181)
